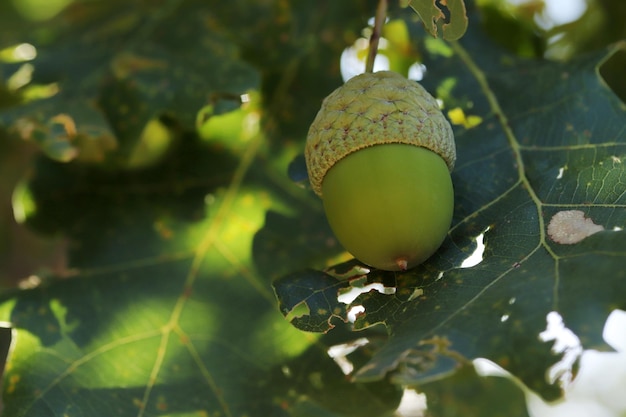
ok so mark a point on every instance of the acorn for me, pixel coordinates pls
(379, 153)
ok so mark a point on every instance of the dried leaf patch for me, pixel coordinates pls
(571, 226)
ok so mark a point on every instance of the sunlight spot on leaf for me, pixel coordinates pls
(237, 229)
(25, 52)
(437, 46)
(23, 202)
(6, 309)
(250, 126)
(21, 77)
(341, 257)
(40, 10)
(153, 144)
(568, 227)
(234, 128)
(477, 256)
(34, 92)
(504, 318)
(18, 53)
(60, 313)
(275, 339)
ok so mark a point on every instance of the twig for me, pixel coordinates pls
(379, 21)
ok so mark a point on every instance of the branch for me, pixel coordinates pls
(379, 21)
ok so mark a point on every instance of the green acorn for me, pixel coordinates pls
(379, 154)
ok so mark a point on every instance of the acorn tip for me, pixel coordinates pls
(402, 264)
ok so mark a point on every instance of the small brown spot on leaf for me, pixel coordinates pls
(13, 380)
(126, 63)
(571, 226)
(161, 404)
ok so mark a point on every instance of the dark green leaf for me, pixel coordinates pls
(550, 139)
(317, 292)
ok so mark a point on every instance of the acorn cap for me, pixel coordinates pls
(373, 109)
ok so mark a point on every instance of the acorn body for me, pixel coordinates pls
(379, 154)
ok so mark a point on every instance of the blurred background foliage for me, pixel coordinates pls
(132, 130)
(526, 28)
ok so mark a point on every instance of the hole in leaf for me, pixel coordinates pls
(351, 294)
(444, 9)
(559, 175)
(411, 404)
(354, 312)
(477, 256)
(566, 343)
(339, 354)
(300, 310)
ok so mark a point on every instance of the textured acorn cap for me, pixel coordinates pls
(373, 109)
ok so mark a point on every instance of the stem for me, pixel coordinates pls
(379, 21)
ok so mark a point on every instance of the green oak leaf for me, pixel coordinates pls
(542, 158)
(450, 15)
